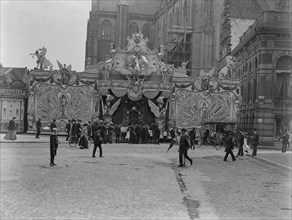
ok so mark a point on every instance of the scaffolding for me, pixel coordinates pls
(179, 46)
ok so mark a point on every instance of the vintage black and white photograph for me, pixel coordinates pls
(145, 109)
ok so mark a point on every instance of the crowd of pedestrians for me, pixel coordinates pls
(100, 133)
(138, 133)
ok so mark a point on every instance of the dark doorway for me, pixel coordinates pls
(133, 112)
(133, 117)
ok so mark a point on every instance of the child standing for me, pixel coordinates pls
(53, 146)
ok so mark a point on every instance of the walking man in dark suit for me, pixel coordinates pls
(38, 127)
(240, 142)
(97, 143)
(254, 142)
(184, 145)
(68, 129)
(53, 125)
(228, 137)
(193, 138)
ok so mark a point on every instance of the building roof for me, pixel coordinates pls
(238, 27)
(247, 9)
(19, 74)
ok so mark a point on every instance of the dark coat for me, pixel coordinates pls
(255, 139)
(68, 127)
(193, 134)
(94, 128)
(103, 129)
(229, 143)
(285, 139)
(184, 143)
(117, 130)
(96, 138)
(54, 142)
(78, 128)
(172, 133)
(138, 129)
(240, 138)
(74, 129)
(11, 125)
(39, 124)
(156, 132)
(53, 125)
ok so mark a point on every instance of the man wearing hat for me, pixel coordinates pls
(54, 142)
(184, 145)
(38, 127)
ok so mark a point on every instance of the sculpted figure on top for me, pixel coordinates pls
(228, 71)
(137, 43)
(42, 62)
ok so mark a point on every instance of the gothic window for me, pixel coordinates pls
(170, 20)
(134, 28)
(283, 85)
(106, 30)
(146, 30)
(177, 17)
(283, 5)
(186, 12)
(157, 31)
(164, 30)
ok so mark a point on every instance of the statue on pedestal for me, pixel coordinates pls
(42, 62)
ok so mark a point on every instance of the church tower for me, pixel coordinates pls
(91, 54)
(122, 23)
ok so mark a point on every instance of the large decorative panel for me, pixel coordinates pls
(206, 99)
(62, 95)
(56, 103)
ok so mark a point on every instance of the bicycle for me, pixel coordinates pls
(73, 141)
(207, 141)
(217, 142)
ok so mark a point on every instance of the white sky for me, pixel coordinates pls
(58, 25)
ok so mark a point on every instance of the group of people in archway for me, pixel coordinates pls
(134, 133)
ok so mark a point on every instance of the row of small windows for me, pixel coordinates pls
(177, 20)
(106, 29)
(283, 63)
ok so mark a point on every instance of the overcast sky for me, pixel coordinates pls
(58, 25)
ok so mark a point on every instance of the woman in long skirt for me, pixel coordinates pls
(11, 134)
(84, 137)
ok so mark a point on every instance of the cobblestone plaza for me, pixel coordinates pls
(138, 182)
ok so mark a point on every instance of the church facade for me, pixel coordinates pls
(200, 36)
(190, 30)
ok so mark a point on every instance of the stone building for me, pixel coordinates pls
(254, 40)
(13, 97)
(264, 59)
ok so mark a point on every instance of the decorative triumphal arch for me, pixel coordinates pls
(60, 94)
(210, 98)
(133, 86)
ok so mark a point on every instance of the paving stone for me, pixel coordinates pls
(138, 182)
